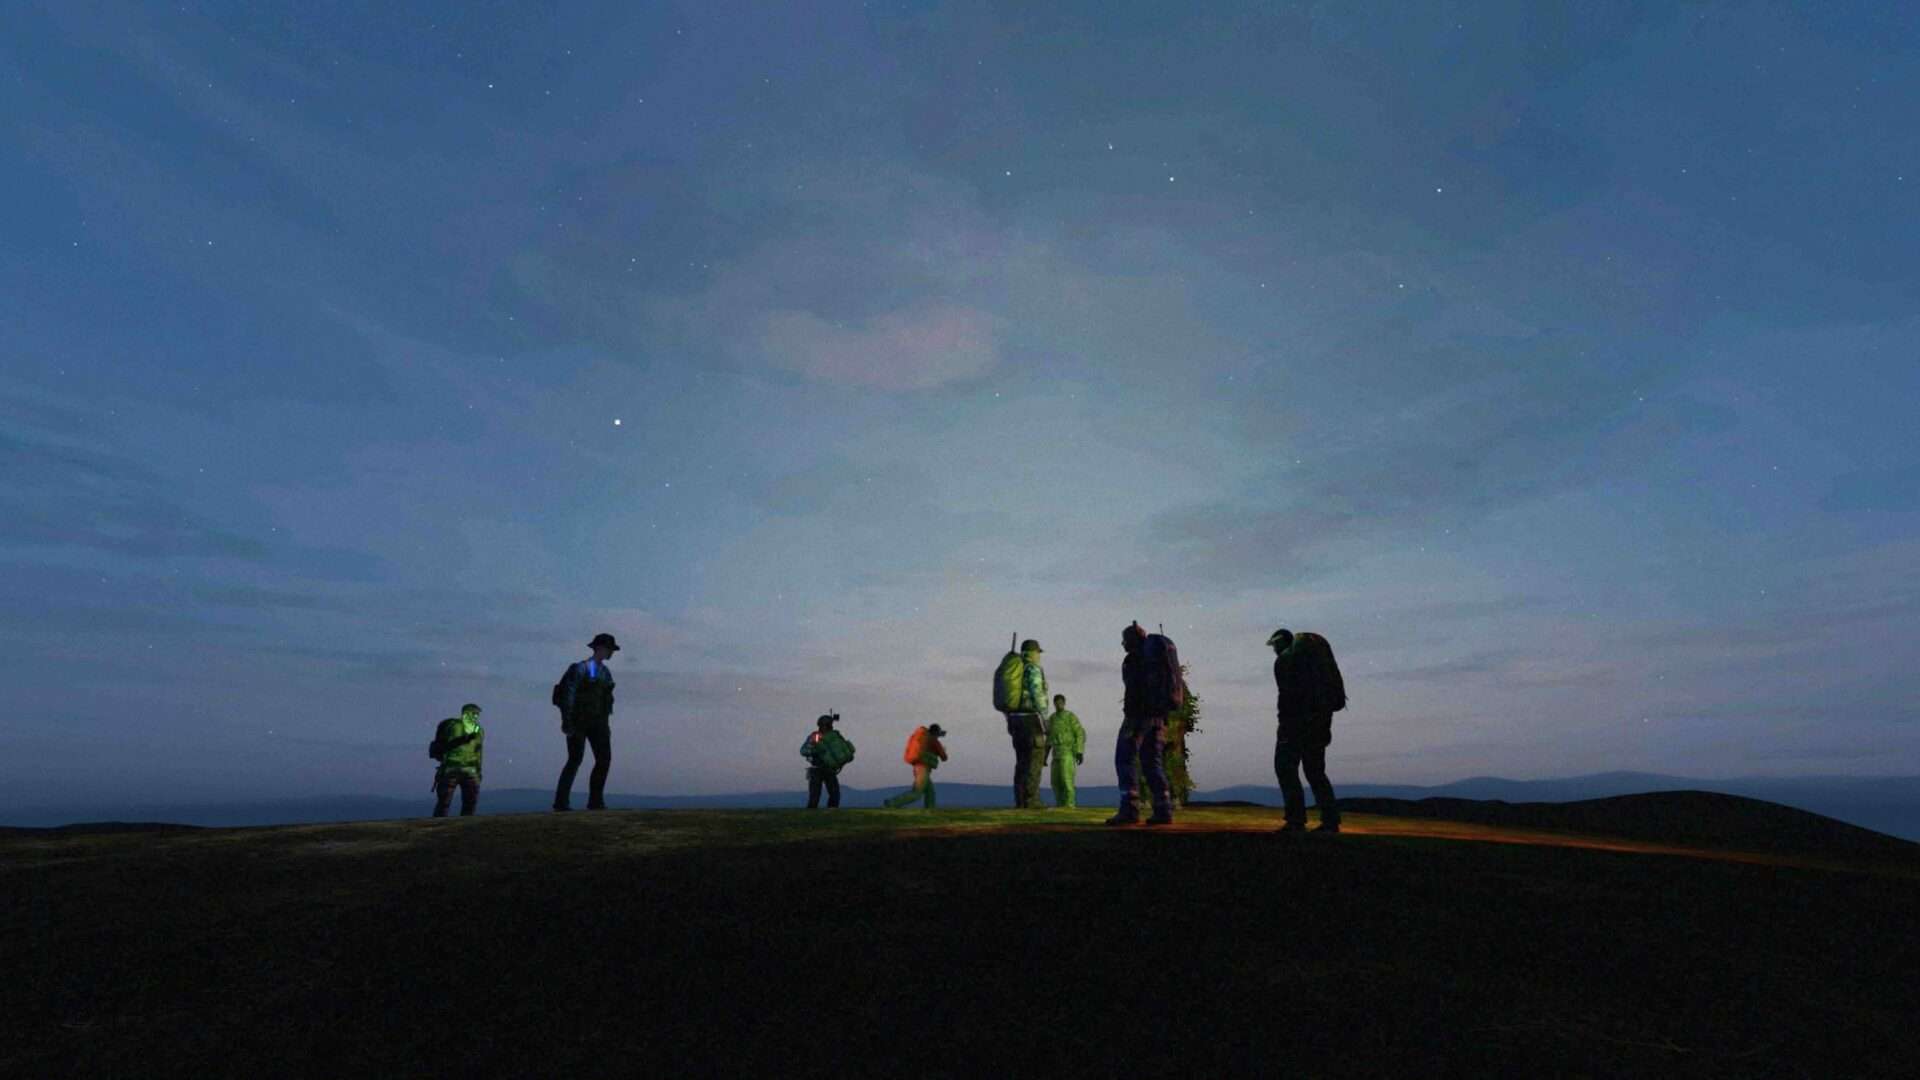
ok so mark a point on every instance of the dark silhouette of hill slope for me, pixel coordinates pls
(1884, 804)
(1691, 818)
(955, 943)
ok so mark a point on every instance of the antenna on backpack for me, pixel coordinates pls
(1014, 645)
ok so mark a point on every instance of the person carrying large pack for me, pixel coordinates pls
(1154, 689)
(1308, 690)
(826, 751)
(925, 754)
(457, 745)
(1020, 693)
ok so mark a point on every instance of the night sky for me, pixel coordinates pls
(1560, 364)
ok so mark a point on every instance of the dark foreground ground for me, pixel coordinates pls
(866, 943)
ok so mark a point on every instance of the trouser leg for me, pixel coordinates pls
(1314, 761)
(833, 790)
(576, 748)
(813, 789)
(1022, 752)
(1063, 770)
(1123, 767)
(469, 795)
(1286, 767)
(442, 796)
(1153, 750)
(922, 789)
(600, 738)
(1036, 765)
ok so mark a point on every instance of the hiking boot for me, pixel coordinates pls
(1327, 827)
(1124, 819)
(561, 808)
(1160, 819)
(1290, 828)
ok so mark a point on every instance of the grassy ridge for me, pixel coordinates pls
(862, 942)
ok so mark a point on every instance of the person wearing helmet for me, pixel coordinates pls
(925, 754)
(1027, 727)
(826, 751)
(1067, 746)
(584, 696)
(457, 745)
(1307, 690)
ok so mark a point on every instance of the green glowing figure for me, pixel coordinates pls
(457, 745)
(1067, 744)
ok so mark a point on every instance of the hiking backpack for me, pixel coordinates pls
(916, 746)
(1010, 681)
(1166, 688)
(1329, 689)
(437, 747)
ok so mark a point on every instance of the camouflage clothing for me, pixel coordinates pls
(1066, 743)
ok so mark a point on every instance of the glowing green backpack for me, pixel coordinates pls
(1010, 680)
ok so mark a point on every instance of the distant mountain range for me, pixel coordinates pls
(1885, 804)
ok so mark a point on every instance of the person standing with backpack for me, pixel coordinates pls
(457, 745)
(1308, 691)
(1020, 692)
(1154, 688)
(826, 751)
(584, 696)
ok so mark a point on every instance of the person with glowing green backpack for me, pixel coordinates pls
(1020, 693)
(457, 745)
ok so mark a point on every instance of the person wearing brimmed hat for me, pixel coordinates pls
(457, 744)
(585, 698)
(1027, 727)
(826, 751)
(925, 754)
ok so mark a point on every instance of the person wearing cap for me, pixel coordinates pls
(585, 699)
(925, 754)
(1308, 690)
(1027, 727)
(457, 745)
(1067, 746)
(826, 751)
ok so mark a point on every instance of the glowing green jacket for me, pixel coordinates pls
(462, 739)
(1065, 734)
(827, 750)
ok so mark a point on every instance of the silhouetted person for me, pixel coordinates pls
(826, 751)
(925, 754)
(1308, 691)
(1143, 734)
(457, 745)
(585, 698)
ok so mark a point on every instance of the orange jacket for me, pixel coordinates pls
(924, 749)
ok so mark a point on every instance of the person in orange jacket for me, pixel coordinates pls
(925, 754)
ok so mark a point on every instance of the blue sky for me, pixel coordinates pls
(1558, 364)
